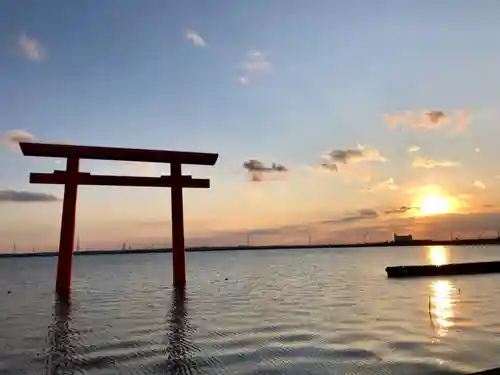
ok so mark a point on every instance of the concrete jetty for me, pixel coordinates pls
(443, 270)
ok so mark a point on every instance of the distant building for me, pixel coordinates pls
(404, 238)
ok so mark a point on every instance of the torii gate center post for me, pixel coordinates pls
(72, 177)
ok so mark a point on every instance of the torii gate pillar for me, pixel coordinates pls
(67, 237)
(178, 252)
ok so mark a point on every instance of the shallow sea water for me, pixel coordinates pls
(314, 311)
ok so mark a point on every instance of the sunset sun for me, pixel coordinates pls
(434, 204)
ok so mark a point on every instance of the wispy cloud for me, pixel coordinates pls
(413, 149)
(421, 162)
(22, 196)
(329, 166)
(354, 173)
(361, 214)
(332, 158)
(141, 169)
(429, 120)
(194, 37)
(12, 138)
(462, 122)
(258, 169)
(255, 63)
(31, 48)
(423, 190)
(244, 80)
(478, 184)
(389, 184)
(399, 210)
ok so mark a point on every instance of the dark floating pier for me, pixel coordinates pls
(442, 270)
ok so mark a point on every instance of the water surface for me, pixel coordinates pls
(314, 311)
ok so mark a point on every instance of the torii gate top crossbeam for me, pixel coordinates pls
(117, 154)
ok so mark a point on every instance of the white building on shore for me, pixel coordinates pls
(403, 238)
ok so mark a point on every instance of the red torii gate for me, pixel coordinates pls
(72, 177)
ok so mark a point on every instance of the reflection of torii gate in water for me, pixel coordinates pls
(72, 177)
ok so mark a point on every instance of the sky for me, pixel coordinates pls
(334, 121)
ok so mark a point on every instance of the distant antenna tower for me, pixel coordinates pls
(310, 239)
(78, 243)
(14, 249)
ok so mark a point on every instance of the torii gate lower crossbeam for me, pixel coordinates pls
(71, 178)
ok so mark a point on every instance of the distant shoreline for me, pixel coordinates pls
(463, 242)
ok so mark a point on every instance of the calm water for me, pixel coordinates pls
(267, 312)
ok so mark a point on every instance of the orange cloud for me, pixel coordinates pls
(429, 120)
(421, 162)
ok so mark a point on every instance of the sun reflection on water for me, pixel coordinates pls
(444, 295)
(442, 305)
(438, 255)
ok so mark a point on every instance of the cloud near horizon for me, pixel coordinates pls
(12, 138)
(413, 149)
(31, 48)
(194, 37)
(429, 120)
(421, 162)
(258, 169)
(22, 196)
(371, 225)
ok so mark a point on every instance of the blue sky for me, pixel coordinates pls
(275, 81)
